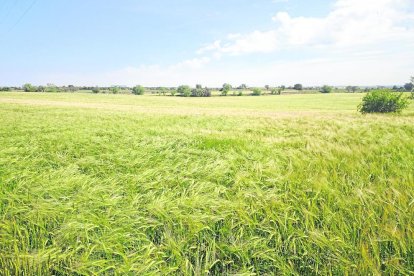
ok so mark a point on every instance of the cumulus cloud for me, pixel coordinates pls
(350, 23)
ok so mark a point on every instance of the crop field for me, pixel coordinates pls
(99, 184)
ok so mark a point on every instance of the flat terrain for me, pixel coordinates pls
(132, 185)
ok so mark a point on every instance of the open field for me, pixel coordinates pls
(130, 185)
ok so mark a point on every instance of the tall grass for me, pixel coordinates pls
(102, 191)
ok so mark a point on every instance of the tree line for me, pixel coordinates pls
(200, 91)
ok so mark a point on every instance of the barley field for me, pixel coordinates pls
(148, 185)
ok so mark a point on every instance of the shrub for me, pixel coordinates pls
(29, 88)
(226, 89)
(184, 90)
(276, 91)
(163, 91)
(298, 86)
(200, 92)
(257, 92)
(240, 93)
(383, 101)
(326, 89)
(138, 90)
(173, 92)
(409, 86)
(95, 90)
(114, 90)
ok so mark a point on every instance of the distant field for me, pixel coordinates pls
(135, 185)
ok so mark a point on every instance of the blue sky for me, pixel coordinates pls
(160, 42)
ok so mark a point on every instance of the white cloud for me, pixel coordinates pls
(350, 23)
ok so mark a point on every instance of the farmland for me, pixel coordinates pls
(129, 185)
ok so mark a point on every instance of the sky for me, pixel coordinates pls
(175, 42)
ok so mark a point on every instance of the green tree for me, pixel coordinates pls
(114, 90)
(276, 91)
(409, 86)
(226, 89)
(29, 88)
(256, 92)
(326, 89)
(138, 90)
(298, 86)
(184, 90)
(163, 91)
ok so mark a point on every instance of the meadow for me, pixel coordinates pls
(140, 185)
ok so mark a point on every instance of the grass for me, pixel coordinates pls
(129, 185)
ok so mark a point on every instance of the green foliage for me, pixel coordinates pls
(138, 90)
(298, 86)
(5, 88)
(225, 89)
(50, 88)
(163, 91)
(383, 101)
(276, 91)
(96, 90)
(326, 89)
(29, 88)
(114, 90)
(184, 90)
(201, 92)
(409, 86)
(173, 91)
(352, 89)
(256, 92)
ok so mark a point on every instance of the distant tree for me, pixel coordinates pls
(114, 90)
(326, 89)
(29, 88)
(163, 91)
(184, 90)
(298, 86)
(138, 90)
(256, 92)
(267, 87)
(40, 88)
(50, 87)
(276, 91)
(95, 90)
(226, 89)
(71, 88)
(206, 92)
(199, 86)
(197, 92)
(409, 86)
(242, 86)
(173, 91)
(5, 88)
